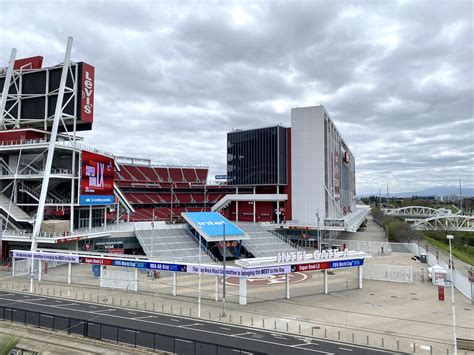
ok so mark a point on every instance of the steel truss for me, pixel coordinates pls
(416, 211)
(448, 222)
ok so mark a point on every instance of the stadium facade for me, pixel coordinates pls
(297, 178)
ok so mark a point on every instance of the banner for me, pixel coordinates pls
(66, 258)
(212, 224)
(87, 95)
(346, 263)
(97, 179)
(218, 270)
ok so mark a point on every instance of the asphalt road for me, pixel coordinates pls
(186, 329)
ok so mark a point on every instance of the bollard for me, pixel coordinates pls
(338, 335)
(431, 349)
(83, 296)
(171, 309)
(414, 347)
(230, 318)
(136, 304)
(299, 328)
(398, 344)
(190, 312)
(180, 311)
(447, 351)
(263, 322)
(367, 340)
(353, 337)
(251, 321)
(113, 301)
(325, 332)
(275, 325)
(163, 308)
(54, 290)
(241, 319)
(287, 326)
(76, 295)
(209, 315)
(382, 342)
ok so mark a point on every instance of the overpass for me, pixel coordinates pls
(448, 222)
(417, 212)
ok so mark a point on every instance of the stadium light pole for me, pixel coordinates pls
(223, 281)
(319, 233)
(453, 305)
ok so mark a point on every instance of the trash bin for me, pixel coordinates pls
(423, 258)
(96, 270)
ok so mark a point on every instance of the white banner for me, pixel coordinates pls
(218, 270)
(66, 258)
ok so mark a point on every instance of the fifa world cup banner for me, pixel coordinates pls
(97, 179)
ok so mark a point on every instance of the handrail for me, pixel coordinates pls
(286, 240)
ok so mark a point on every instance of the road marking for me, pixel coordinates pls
(191, 325)
(107, 310)
(239, 334)
(143, 317)
(67, 304)
(95, 307)
(175, 320)
(346, 349)
(184, 341)
(224, 328)
(296, 345)
(132, 313)
(57, 301)
(131, 331)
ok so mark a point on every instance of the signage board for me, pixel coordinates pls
(221, 177)
(345, 263)
(87, 95)
(97, 179)
(310, 267)
(66, 258)
(441, 293)
(95, 261)
(217, 270)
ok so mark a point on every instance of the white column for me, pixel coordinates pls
(278, 205)
(216, 297)
(90, 217)
(13, 267)
(360, 270)
(105, 217)
(69, 272)
(174, 283)
(254, 208)
(40, 271)
(325, 282)
(243, 290)
(136, 279)
(237, 206)
(287, 286)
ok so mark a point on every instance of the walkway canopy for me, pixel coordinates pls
(213, 226)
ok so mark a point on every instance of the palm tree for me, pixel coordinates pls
(8, 343)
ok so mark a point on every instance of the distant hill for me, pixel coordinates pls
(431, 191)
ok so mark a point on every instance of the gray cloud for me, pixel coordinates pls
(171, 80)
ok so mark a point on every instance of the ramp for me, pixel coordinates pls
(172, 244)
(13, 211)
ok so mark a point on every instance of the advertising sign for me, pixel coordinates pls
(345, 263)
(310, 267)
(221, 177)
(87, 96)
(46, 256)
(95, 261)
(440, 293)
(97, 179)
(217, 270)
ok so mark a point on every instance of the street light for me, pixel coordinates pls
(450, 237)
(319, 233)
(223, 283)
(199, 287)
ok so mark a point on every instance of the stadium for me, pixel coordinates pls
(286, 187)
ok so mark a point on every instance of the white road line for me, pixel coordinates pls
(224, 328)
(239, 334)
(191, 325)
(95, 307)
(184, 341)
(132, 313)
(346, 349)
(107, 310)
(57, 301)
(67, 304)
(175, 320)
(296, 345)
(144, 317)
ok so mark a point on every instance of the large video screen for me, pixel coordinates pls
(97, 179)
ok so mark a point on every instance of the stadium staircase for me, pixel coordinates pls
(264, 243)
(173, 244)
(12, 211)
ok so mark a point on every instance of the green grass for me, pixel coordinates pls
(459, 253)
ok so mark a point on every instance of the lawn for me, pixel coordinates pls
(463, 253)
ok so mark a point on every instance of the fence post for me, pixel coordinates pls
(287, 326)
(263, 322)
(367, 340)
(338, 335)
(353, 337)
(414, 347)
(299, 328)
(240, 318)
(251, 321)
(275, 325)
(325, 332)
(383, 342)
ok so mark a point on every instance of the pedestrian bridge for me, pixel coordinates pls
(448, 222)
(417, 212)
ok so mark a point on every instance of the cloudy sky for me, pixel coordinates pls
(173, 77)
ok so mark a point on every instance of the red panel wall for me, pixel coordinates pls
(28, 63)
(16, 135)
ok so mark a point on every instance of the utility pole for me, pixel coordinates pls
(460, 196)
